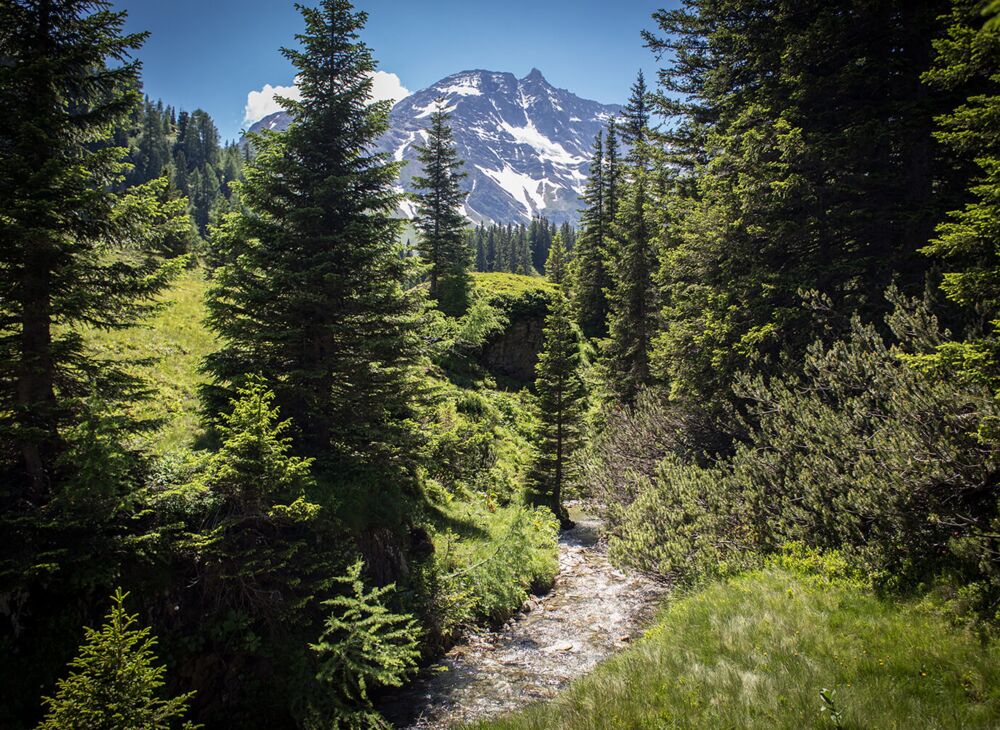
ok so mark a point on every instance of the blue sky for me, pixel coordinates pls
(212, 53)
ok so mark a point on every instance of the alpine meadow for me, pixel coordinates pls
(490, 405)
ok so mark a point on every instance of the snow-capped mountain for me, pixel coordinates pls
(526, 144)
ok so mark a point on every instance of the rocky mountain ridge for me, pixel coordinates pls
(526, 144)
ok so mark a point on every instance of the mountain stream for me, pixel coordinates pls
(592, 611)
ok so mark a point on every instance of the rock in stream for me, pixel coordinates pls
(592, 611)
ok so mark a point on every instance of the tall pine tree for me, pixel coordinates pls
(591, 280)
(557, 264)
(612, 187)
(70, 255)
(632, 308)
(968, 59)
(805, 162)
(561, 400)
(443, 246)
(311, 295)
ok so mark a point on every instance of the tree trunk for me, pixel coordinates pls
(36, 401)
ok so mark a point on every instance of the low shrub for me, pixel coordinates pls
(860, 453)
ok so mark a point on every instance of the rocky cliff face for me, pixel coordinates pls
(526, 144)
(514, 353)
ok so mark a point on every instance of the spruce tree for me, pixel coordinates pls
(539, 241)
(492, 251)
(73, 253)
(522, 261)
(251, 550)
(591, 280)
(478, 239)
(612, 178)
(561, 399)
(569, 236)
(632, 314)
(805, 161)
(557, 264)
(310, 295)
(443, 245)
(114, 683)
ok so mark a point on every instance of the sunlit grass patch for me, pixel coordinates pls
(176, 339)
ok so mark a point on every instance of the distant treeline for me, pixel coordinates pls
(518, 249)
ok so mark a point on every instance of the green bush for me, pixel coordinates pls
(684, 523)
(486, 560)
(363, 646)
(515, 295)
(860, 453)
(480, 442)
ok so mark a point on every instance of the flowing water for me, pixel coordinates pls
(592, 611)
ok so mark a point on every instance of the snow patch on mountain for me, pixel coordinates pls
(522, 188)
(526, 144)
(464, 87)
(545, 147)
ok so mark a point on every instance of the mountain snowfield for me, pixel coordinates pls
(526, 144)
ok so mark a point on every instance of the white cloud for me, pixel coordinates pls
(388, 86)
(261, 103)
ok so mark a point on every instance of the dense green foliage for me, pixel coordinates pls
(860, 452)
(440, 220)
(780, 366)
(74, 256)
(73, 252)
(591, 278)
(486, 561)
(803, 161)
(350, 436)
(185, 148)
(114, 683)
(631, 297)
(967, 241)
(788, 279)
(557, 263)
(310, 294)
(363, 646)
(758, 651)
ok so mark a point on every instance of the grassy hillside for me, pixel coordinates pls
(756, 651)
(176, 340)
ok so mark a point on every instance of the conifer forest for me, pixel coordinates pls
(305, 429)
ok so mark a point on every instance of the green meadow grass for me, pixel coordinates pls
(756, 651)
(177, 339)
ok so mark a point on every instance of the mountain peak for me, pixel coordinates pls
(526, 144)
(535, 75)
